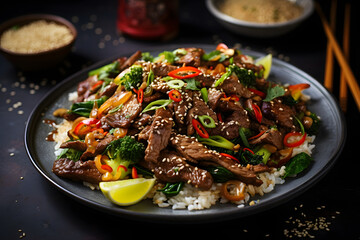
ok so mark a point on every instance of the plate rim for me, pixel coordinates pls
(200, 216)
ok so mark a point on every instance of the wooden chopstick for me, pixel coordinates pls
(349, 76)
(346, 48)
(328, 78)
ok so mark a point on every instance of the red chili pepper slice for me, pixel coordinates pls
(257, 92)
(140, 95)
(297, 143)
(175, 95)
(200, 129)
(86, 126)
(184, 72)
(134, 173)
(96, 85)
(257, 112)
(248, 149)
(256, 136)
(221, 46)
(229, 156)
(219, 117)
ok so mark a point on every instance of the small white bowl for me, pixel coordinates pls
(259, 30)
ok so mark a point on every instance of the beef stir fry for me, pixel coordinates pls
(184, 116)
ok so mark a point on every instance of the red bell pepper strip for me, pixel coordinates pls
(107, 168)
(134, 173)
(96, 85)
(221, 46)
(185, 72)
(297, 143)
(200, 129)
(296, 89)
(257, 92)
(257, 112)
(86, 126)
(175, 95)
(256, 136)
(229, 156)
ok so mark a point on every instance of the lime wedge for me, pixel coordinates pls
(266, 62)
(127, 192)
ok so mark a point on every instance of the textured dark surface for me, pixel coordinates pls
(32, 206)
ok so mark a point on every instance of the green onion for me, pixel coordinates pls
(176, 83)
(204, 94)
(157, 104)
(150, 78)
(203, 119)
(217, 141)
(172, 189)
(301, 126)
(223, 78)
(243, 137)
(167, 78)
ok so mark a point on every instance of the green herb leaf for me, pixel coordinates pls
(192, 84)
(297, 164)
(274, 92)
(172, 189)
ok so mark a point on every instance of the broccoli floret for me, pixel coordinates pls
(124, 151)
(109, 70)
(246, 77)
(314, 129)
(133, 78)
(147, 57)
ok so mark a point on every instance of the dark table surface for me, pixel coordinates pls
(32, 208)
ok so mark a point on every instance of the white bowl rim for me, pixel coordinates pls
(234, 21)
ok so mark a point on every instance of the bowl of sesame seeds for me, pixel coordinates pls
(37, 41)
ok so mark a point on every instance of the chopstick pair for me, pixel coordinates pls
(347, 76)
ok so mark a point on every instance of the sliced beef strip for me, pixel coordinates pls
(99, 149)
(84, 88)
(234, 117)
(214, 97)
(153, 97)
(196, 152)
(232, 86)
(282, 114)
(181, 110)
(125, 116)
(229, 129)
(162, 69)
(77, 145)
(77, 171)
(206, 80)
(191, 58)
(199, 108)
(130, 61)
(159, 134)
(272, 136)
(109, 90)
(171, 167)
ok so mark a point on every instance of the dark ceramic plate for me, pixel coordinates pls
(329, 144)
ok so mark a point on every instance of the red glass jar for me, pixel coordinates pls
(148, 19)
